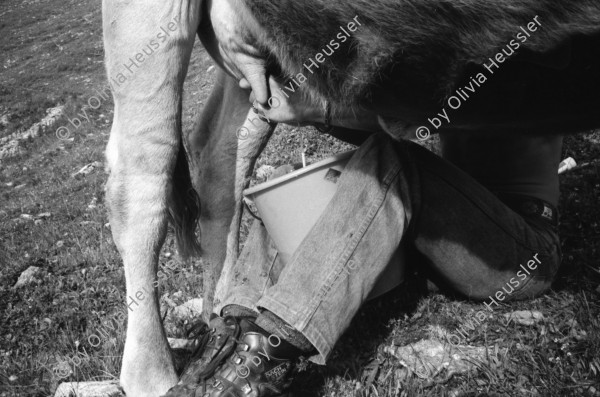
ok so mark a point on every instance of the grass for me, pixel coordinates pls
(53, 56)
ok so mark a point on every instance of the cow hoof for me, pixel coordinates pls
(155, 388)
(146, 380)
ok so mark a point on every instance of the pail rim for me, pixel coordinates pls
(299, 172)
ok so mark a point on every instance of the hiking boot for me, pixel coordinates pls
(261, 365)
(216, 342)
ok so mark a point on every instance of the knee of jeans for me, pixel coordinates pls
(534, 288)
(512, 288)
(487, 290)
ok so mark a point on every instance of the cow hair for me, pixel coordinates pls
(420, 48)
(184, 207)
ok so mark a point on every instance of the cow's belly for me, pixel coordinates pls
(406, 60)
(523, 95)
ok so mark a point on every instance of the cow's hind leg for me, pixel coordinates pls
(224, 145)
(148, 45)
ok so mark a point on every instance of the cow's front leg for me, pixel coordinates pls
(148, 45)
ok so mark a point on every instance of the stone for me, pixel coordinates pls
(524, 317)
(185, 344)
(89, 389)
(428, 358)
(264, 172)
(87, 169)
(189, 309)
(11, 145)
(28, 276)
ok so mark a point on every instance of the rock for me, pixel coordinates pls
(4, 120)
(43, 215)
(428, 357)
(85, 223)
(11, 145)
(264, 172)
(93, 204)
(185, 344)
(27, 217)
(89, 389)
(87, 169)
(524, 317)
(189, 309)
(28, 276)
(169, 302)
(566, 165)
(45, 324)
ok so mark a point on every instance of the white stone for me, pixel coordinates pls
(186, 344)
(87, 169)
(89, 389)
(28, 276)
(10, 146)
(524, 317)
(189, 309)
(428, 357)
(264, 172)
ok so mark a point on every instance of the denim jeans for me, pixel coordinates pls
(391, 192)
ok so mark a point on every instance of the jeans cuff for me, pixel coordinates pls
(311, 333)
(242, 296)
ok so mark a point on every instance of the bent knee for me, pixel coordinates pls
(518, 285)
